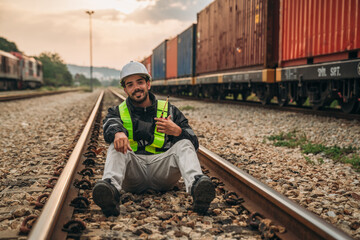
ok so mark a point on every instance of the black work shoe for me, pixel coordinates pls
(106, 196)
(203, 192)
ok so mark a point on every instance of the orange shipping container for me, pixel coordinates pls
(313, 31)
(237, 34)
(147, 63)
(171, 58)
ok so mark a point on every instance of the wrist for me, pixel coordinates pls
(179, 132)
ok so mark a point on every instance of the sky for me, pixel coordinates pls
(123, 30)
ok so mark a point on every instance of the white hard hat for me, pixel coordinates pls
(133, 68)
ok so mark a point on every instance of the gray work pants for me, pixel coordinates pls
(136, 173)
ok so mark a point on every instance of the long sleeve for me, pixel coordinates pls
(112, 124)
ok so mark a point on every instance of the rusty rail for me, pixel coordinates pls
(12, 97)
(299, 222)
(45, 223)
(117, 94)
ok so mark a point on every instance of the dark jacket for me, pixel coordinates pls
(144, 125)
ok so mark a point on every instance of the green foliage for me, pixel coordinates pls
(55, 71)
(354, 160)
(312, 148)
(81, 80)
(8, 46)
(308, 160)
(111, 83)
(292, 140)
(289, 140)
(335, 104)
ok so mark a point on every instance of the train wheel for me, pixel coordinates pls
(318, 105)
(245, 95)
(263, 97)
(235, 96)
(351, 106)
(300, 101)
(282, 96)
(195, 91)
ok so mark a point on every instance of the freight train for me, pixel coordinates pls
(18, 71)
(276, 49)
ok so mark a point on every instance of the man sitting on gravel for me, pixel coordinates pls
(152, 146)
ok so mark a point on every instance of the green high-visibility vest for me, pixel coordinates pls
(159, 138)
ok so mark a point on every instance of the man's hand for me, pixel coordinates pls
(121, 143)
(167, 126)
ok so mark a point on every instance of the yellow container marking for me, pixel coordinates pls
(268, 75)
(278, 75)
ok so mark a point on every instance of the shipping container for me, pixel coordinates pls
(186, 52)
(237, 34)
(159, 62)
(314, 31)
(171, 58)
(147, 63)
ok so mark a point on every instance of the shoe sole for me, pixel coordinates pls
(204, 194)
(104, 198)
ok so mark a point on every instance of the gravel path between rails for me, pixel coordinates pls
(239, 134)
(35, 135)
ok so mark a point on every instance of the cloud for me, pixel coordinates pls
(160, 10)
(117, 38)
(109, 15)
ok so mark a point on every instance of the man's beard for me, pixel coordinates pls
(141, 100)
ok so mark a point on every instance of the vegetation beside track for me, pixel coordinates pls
(296, 139)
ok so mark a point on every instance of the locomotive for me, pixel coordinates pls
(291, 51)
(18, 71)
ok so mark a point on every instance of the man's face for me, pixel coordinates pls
(137, 88)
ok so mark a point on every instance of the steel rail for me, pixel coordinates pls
(12, 97)
(298, 221)
(45, 223)
(117, 94)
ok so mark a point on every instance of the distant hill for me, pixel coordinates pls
(101, 73)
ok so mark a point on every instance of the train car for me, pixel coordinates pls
(186, 58)
(319, 53)
(186, 52)
(171, 58)
(31, 73)
(292, 50)
(147, 63)
(238, 37)
(236, 50)
(9, 71)
(159, 62)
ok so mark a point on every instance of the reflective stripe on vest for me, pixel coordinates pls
(159, 138)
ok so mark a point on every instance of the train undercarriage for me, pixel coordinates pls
(318, 94)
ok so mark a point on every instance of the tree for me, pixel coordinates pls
(81, 80)
(55, 71)
(8, 46)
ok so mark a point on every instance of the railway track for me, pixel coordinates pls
(11, 97)
(243, 206)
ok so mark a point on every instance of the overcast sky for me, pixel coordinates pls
(123, 30)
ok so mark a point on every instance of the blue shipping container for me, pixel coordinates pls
(159, 62)
(186, 52)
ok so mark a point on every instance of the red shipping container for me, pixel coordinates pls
(171, 58)
(147, 63)
(318, 31)
(237, 34)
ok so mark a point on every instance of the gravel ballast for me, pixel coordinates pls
(240, 135)
(35, 136)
